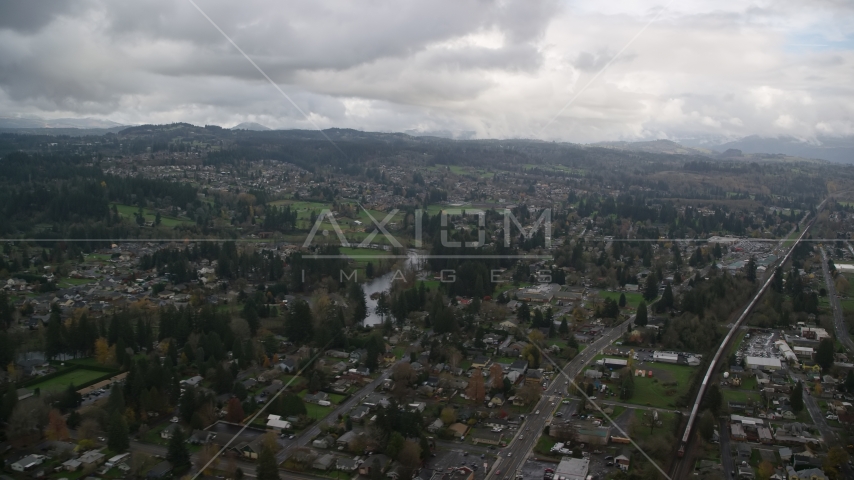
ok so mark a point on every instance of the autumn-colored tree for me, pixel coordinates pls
(410, 458)
(476, 389)
(208, 453)
(766, 470)
(234, 412)
(448, 415)
(270, 442)
(104, 354)
(530, 393)
(403, 376)
(536, 337)
(816, 389)
(56, 428)
(496, 376)
(836, 456)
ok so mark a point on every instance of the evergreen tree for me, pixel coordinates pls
(666, 300)
(564, 327)
(796, 398)
(360, 306)
(250, 313)
(641, 315)
(117, 435)
(824, 354)
(650, 290)
(849, 382)
(622, 302)
(116, 400)
(298, 322)
(53, 337)
(268, 468)
(713, 399)
(750, 270)
(177, 453)
(706, 425)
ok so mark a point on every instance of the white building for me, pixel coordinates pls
(787, 352)
(27, 463)
(572, 468)
(804, 352)
(762, 363)
(665, 357)
(275, 422)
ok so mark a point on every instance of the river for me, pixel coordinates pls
(383, 283)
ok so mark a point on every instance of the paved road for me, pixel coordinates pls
(521, 446)
(838, 317)
(341, 409)
(726, 450)
(830, 437)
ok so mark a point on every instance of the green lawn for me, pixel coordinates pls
(740, 395)
(632, 299)
(640, 429)
(317, 412)
(129, 211)
(652, 392)
(76, 377)
(544, 445)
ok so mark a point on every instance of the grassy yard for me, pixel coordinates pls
(75, 377)
(129, 211)
(317, 412)
(632, 299)
(544, 445)
(640, 429)
(652, 392)
(740, 395)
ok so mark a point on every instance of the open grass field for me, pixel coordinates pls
(129, 211)
(740, 395)
(640, 429)
(632, 299)
(653, 393)
(75, 377)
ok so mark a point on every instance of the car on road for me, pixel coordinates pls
(537, 412)
(593, 397)
(521, 437)
(559, 414)
(509, 454)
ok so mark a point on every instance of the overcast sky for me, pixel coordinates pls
(501, 69)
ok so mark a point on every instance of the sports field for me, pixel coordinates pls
(77, 377)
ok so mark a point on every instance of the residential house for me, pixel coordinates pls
(622, 461)
(316, 398)
(520, 366)
(808, 474)
(161, 470)
(275, 423)
(347, 464)
(27, 463)
(324, 462)
(288, 365)
(358, 413)
(169, 431)
(200, 437)
(368, 465)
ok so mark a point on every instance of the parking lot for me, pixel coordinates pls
(758, 345)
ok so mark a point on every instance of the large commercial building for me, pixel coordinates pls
(572, 469)
(786, 351)
(762, 363)
(665, 357)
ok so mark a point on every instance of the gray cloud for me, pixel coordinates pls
(499, 68)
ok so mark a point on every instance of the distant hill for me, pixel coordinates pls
(257, 127)
(654, 146)
(36, 122)
(832, 149)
